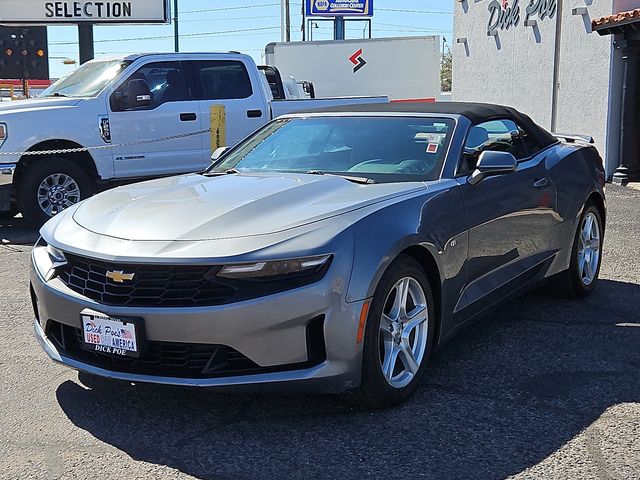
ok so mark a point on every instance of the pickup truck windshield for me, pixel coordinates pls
(383, 149)
(88, 80)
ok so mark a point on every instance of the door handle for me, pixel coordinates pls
(188, 117)
(254, 113)
(541, 183)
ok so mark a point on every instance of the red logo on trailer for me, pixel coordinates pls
(357, 60)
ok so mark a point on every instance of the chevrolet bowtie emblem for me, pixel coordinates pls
(120, 276)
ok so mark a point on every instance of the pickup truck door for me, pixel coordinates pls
(174, 111)
(231, 84)
(512, 217)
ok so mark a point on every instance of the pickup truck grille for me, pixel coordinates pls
(151, 285)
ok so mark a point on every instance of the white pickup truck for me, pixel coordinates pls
(119, 119)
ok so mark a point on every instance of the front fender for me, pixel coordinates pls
(434, 221)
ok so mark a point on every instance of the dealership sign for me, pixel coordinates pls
(34, 12)
(504, 14)
(338, 8)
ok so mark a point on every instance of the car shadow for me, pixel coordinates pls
(505, 394)
(15, 231)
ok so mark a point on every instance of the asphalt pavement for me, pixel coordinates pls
(542, 388)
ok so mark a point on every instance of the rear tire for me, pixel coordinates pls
(579, 280)
(50, 185)
(398, 336)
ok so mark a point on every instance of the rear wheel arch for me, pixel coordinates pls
(597, 201)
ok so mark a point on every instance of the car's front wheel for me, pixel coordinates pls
(399, 335)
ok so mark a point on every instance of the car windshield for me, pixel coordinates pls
(383, 149)
(88, 80)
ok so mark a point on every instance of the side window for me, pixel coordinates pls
(497, 135)
(224, 80)
(167, 83)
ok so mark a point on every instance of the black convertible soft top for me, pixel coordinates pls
(475, 112)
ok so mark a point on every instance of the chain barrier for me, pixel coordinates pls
(103, 147)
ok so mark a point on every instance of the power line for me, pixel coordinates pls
(430, 12)
(162, 37)
(258, 17)
(224, 9)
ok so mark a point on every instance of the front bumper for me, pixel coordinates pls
(7, 172)
(270, 331)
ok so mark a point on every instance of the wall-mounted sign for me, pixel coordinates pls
(338, 8)
(38, 12)
(504, 14)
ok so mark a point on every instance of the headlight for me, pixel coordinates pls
(273, 269)
(3, 133)
(47, 259)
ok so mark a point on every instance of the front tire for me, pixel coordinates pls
(50, 185)
(579, 280)
(399, 335)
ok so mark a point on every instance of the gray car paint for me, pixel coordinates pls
(484, 242)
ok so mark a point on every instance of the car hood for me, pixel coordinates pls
(36, 104)
(196, 207)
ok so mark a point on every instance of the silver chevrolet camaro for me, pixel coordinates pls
(329, 251)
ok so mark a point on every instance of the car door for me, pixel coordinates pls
(228, 83)
(511, 216)
(173, 113)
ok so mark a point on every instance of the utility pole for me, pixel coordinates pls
(304, 28)
(176, 30)
(285, 21)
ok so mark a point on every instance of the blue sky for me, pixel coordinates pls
(221, 25)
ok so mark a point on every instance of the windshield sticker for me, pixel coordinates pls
(432, 148)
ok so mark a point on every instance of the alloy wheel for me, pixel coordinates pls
(589, 248)
(404, 331)
(57, 192)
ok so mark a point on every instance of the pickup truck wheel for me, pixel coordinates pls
(49, 186)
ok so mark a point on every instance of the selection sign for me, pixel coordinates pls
(33, 12)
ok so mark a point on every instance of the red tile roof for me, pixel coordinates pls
(616, 20)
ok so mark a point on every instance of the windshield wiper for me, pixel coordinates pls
(362, 180)
(57, 94)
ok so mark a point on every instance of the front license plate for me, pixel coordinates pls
(105, 334)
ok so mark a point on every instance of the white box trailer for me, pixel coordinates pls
(404, 68)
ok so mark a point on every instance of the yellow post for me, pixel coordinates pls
(218, 127)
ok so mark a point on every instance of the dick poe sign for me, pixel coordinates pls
(44, 12)
(504, 14)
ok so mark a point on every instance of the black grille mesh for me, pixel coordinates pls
(151, 286)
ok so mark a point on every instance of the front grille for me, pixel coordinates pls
(171, 285)
(182, 360)
(151, 286)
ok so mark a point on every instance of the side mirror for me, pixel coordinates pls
(138, 94)
(493, 163)
(215, 156)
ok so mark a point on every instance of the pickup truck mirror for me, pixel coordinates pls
(215, 156)
(138, 94)
(493, 163)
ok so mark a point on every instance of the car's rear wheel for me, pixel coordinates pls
(581, 277)
(398, 336)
